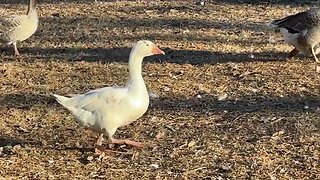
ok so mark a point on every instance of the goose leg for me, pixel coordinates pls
(126, 141)
(98, 149)
(16, 52)
(100, 139)
(314, 55)
(293, 53)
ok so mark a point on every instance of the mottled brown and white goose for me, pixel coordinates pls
(105, 110)
(17, 28)
(302, 30)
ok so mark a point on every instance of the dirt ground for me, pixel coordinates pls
(226, 102)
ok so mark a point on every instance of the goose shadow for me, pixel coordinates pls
(121, 54)
(8, 143)
(6, 140)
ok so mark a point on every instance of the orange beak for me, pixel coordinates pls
(156, 50)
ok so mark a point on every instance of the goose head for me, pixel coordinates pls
(145, 48)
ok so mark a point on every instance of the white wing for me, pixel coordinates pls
(99, 98)
(9, 24)
(88, 107)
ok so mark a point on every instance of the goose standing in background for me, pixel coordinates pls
(301, 30)
(106, 109)
(17, 28)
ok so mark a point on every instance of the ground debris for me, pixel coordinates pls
(227, 103)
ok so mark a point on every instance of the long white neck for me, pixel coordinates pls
(135, 82)
(32, 8)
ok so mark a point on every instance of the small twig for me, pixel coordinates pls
(240, 116)
(247, 73)
(278, 120)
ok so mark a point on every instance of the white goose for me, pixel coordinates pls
(106, 109)
(17, 28)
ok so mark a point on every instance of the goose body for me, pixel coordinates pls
(104, 110)
(302, 31)
(17, 28)
(106, 107)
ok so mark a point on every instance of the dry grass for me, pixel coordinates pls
(267, 127)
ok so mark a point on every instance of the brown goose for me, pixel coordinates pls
(17, 28)
(301, 30)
